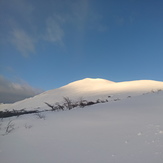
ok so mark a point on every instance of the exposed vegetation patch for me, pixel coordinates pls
(7, 113)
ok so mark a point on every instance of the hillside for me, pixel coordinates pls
(123, 131)
(89, 89)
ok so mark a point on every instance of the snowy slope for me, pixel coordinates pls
(90, 89)
(125, 131)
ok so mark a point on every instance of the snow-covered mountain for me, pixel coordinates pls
(89, 89)
(129, 130)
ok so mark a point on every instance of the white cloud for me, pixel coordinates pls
(54, 31)
(25, 24)
(12, 92)
(77, 16)
(16, 17)
(24, 43)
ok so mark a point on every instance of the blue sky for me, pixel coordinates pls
(45, 44)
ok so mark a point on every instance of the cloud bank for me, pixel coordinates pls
(11, 92)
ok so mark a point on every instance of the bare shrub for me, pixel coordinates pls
(51, 106)
(59, 106)
(10, 127)
(81, 102)
(68, 103)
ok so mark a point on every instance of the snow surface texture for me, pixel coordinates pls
(129, 130)
(125, 131)
(89, 89)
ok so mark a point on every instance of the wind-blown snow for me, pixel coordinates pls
(91, 89)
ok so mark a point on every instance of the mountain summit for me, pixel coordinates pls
(89, 89)
(89, 84)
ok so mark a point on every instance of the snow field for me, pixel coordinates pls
(124, 131)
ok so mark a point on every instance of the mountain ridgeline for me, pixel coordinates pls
(82, 93)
